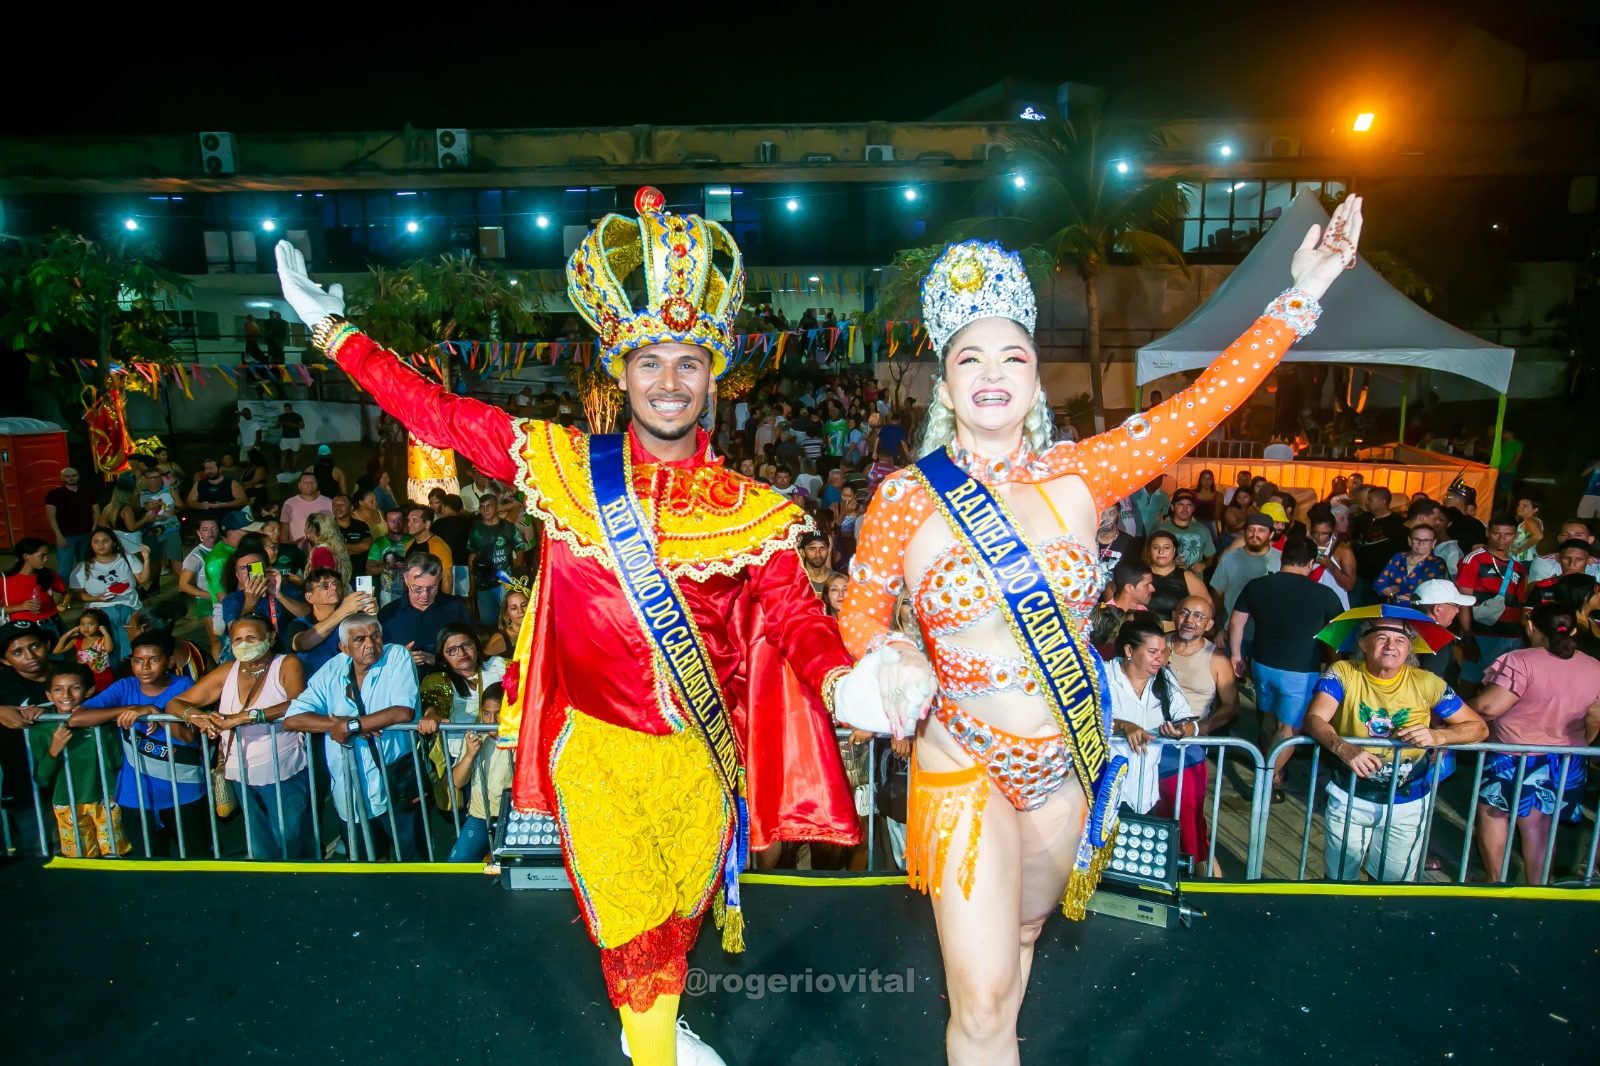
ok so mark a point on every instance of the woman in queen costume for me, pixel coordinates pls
(1013, 785)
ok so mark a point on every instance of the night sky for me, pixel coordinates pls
(294, 71)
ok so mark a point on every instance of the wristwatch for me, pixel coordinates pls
(352, 726)
(256, 715)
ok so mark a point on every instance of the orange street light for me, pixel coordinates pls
(1363, 122)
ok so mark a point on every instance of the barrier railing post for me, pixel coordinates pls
(113, 811)
(1344, 839)
(211, 800)
(1216, 809)
(281, 845)
(450, 761)
(141, 786)
(422, 806)
(1472, 820)
(172, 783)
(1260, 812)
(480, 770)
(1511, 819)
(1177, 791)
(1594, 846)
(1431, 809)
(872, 801)
(360, 817)
(72, 798)
(1388, 819)
(382, 766)
(38, 810)
(243, 800)
(311, 742)
(1555, 823)
(1311, 810)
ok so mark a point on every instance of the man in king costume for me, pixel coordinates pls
(671, 696)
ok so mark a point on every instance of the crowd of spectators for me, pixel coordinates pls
(296, 632)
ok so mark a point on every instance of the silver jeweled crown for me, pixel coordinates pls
(973, 280)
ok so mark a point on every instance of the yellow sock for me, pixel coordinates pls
(653, 1035)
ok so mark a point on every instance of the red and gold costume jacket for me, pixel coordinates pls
(731, 544)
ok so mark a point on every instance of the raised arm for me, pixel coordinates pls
(1117, 462)
(482, 433)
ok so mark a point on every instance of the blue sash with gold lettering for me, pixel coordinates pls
(1074, 678)
(680, 653)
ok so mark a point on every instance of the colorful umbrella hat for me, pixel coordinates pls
(1343, 632)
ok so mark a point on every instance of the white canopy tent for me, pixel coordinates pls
(1364, 320)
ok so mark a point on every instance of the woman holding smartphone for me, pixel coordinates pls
(251, 586)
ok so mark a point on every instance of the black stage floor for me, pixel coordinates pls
(167, 968)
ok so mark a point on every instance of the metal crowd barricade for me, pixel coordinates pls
(410, 834)
(1451, 804)
(1435, 804)
(1256, 769)
(1221, 745)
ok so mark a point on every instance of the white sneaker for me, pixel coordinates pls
(692, 1051)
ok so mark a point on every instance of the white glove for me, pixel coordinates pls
(858, 701)
(310, 302)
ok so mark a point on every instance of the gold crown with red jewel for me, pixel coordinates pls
(688, 297)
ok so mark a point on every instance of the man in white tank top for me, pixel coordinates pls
(1204, 673)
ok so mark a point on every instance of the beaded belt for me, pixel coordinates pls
(1026, 770)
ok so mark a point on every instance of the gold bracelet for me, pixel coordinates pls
(345, 331)
(830, 685)
(322, 332)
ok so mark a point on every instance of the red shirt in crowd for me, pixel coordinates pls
(1481, 575)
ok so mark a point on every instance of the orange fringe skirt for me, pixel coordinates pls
(933, 811)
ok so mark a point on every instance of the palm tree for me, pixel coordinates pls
(1086, 205)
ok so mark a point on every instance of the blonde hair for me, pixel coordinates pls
(322, 531)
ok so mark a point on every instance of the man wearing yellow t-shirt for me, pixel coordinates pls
(1380, 697)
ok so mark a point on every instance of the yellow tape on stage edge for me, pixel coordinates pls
(227, 866)
(1217, 888)
(1367, 888)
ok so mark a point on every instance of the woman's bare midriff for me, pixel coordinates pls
(1012, 711)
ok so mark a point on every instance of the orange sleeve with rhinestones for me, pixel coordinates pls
(1117, 462)
(877, 571)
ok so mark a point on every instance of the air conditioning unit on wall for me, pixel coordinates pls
(880, 153)
(767, 152)
(453, 147)
(996, 150)
(216, 153)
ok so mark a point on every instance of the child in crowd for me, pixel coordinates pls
(163, 769)
(73, 766)
(487, 783)
(92, 645)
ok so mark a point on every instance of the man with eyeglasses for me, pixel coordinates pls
(1203, 670)
(414, 620)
